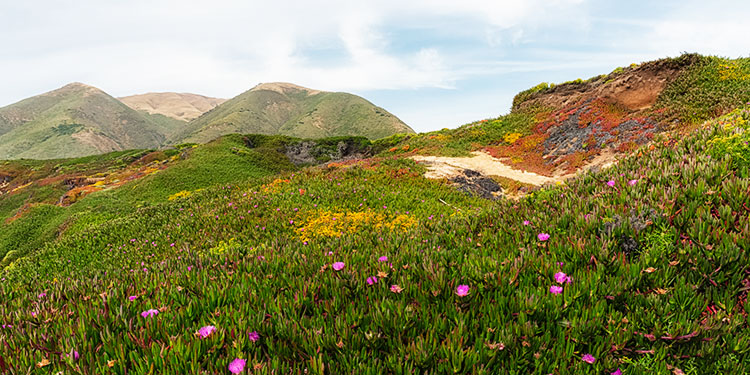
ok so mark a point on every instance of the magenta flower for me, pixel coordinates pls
(554, 289)
(132, 298)
(338, 266)
(611, 183)
(6, 326)
(561, 278)
(616, 372)
(253, 336)
(462, 290)
(526, 222)
(542, 236)
(383, 259)
(75, 355)
(237, 366)
(372, 280)
(42, 295)
(588, 358)
(150, 313)
(206, 331)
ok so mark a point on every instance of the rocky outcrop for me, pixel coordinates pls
(318, 152)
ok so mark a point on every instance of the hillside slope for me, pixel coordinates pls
(558, 130)
(286, 109)
(365, 266)
(75, 120)
(180, 106)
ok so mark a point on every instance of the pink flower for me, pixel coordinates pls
(462, 290)
(526, 222)
(190, 268)
(611, 183)
(383, 259)
(372, 280)
(588, 358)
(42, 295)
(616, 372)
(338, 266)
(631, 183)
(253, 336)
(75, 355)
(150, 313)
(396, 289)
(237, 366)
(561, 278)
(542, 236)
(132, 298)
(554, 289)
(206, 331)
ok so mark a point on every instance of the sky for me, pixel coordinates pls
(434, 64)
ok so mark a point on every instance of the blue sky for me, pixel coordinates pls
(434, 64)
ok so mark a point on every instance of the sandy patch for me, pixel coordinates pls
(449, 167)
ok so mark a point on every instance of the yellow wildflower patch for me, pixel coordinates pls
(511, 137)
(335, 224)
(182, 194)
(732, 71)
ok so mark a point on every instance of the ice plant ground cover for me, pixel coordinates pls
(653, 276)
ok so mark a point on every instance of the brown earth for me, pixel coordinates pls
(179, 106)
(635, 88)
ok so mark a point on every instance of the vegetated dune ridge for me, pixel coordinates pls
(558, 130)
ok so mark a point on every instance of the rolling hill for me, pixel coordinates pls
(287, 109)
(76, 120)
(179, 106)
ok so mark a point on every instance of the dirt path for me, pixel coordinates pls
(447, 167)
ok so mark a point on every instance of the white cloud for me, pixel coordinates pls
(223, 47)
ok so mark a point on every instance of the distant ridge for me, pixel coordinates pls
(76, 120)
(179, 106)
(289, 109)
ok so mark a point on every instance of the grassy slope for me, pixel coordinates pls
(44, 126)
(659, 275)
(226, 160)
(294, 113)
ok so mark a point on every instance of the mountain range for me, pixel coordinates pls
(78, 120)
(287, 109)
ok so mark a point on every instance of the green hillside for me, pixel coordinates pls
(281, 108)
(76, 120)
(654, 274)
(337, 256)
